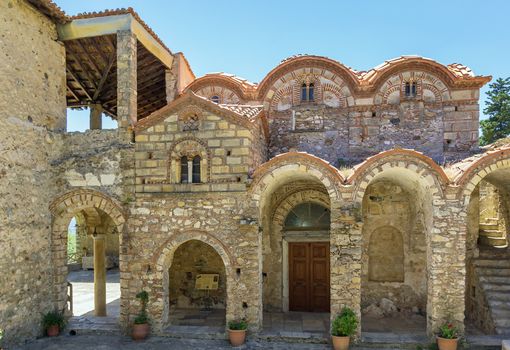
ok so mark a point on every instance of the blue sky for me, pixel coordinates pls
(249, 38)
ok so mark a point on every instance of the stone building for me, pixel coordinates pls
(319, 187)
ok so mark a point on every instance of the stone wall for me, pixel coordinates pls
(394, 248)
(159, 224)
(32, 112)
(94, 159)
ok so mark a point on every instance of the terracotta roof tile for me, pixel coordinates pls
(50, 9)
(244, 110)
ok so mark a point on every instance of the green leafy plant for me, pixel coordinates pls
(142, 317)
(448, 331)
(53, 318)
(237, 325)
(345, 324)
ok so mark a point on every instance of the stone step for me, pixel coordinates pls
(498, 296)
(492, 263)
(503, 330)
(504, 279)
(496, 287)
(489, 226)
(501, 322)
(492, 233)
(493, 241)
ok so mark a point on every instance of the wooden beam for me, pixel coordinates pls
(68, 69)
(78, 63)
(104, 76)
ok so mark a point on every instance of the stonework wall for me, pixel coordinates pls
(93, 159)
(190, 259)
(228, 152)
(158, 225)
(32, 112)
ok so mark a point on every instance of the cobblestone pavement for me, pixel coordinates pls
(89, 342)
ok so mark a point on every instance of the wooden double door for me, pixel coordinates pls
(309, 276)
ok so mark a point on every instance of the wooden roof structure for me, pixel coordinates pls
(91, 48)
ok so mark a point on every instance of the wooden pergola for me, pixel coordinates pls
(91, 62)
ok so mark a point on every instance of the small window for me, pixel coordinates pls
(310, 92)
(410, 89)
(184, 169)
(196, 170)
(304, 93)
(215, 99)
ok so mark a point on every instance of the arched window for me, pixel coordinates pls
(196, 170)
(304, 93)
(184, 169)
(308, 216)
(310, 92)
(410, 89)
(215, 99)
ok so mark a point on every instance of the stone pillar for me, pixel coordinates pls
(245, 294)
(99, 275)
(446, 264)
(126, 79)
(345, 257)
(96, 111)
(171, 83)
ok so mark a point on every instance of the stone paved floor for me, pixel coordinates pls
(154, 343)
(297, 322)
(83, 292)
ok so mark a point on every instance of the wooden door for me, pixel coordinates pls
(309, 277)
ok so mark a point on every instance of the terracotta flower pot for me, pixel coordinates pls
(236, 337)
(140, 331)
(340, 343)
(447, 344)
(53, 331)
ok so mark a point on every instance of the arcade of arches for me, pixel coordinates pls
(320, 187)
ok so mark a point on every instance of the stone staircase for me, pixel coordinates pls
(91, 325)
(493, 271)
(490, 235)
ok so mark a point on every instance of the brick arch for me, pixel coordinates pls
(483, 166)
(284, 206)
(424, 167)
(307, 61)
(221, 81)
(63, 209)
(162, 260)
(296, 163)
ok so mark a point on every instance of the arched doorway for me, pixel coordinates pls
(197, 287)
(85, 243)
(305, 236)
(487, 307)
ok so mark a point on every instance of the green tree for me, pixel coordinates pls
(497, 125)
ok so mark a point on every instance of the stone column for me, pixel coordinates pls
(126, 79)
(345, 259)
(446, 264)
(245, 294)
(99, 275)
(96, 111)
(171, 83)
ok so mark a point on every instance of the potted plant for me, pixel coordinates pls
(344, 325)
(448, 336)
(53, 322)
(237, 332)
(141, 328)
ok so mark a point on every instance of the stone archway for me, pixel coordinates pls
(159, 309)
(422, 184)
(63, 209)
